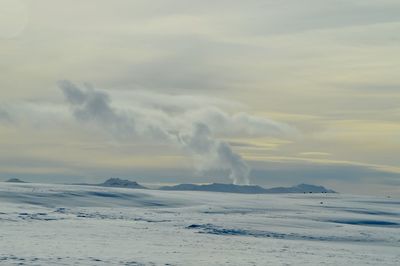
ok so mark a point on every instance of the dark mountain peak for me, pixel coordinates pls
(15, 180)
(123, 183)
(314, 188)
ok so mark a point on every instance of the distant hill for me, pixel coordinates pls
(217, 187)
(302, 188)
(116, 182)
(15, 180)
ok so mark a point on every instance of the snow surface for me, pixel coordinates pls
(43, 224)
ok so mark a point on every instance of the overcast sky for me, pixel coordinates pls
(264, 92)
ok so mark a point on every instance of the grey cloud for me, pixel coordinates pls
(89, 105)
(192, 63)
(239, 124)
(71, 92)
(267, 15)
(5, 116)
(389, 88)
(275, 18)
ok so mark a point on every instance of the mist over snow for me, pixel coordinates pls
(193, 128)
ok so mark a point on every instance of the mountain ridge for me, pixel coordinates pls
(248, 189)
(116, 182)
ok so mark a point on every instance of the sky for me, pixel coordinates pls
(252, 92)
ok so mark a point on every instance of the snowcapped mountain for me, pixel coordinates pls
(217, 187)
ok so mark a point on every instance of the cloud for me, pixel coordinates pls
(89, 105)
(14, 18)
(194, 130)
(5, 117)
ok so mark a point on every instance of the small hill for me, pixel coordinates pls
(15, 180)
(116, 182)
(231, 188)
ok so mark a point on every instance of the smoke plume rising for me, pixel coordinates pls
(192, 128)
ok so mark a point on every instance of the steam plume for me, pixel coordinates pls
(193, 130)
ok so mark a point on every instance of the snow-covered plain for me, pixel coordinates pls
(43, 224)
